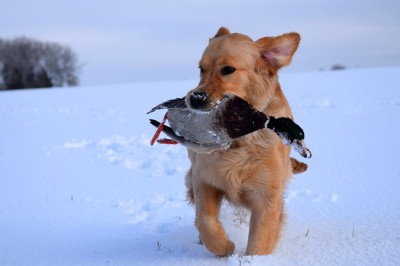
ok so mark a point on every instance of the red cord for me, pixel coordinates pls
(167, 141)
(159, 129)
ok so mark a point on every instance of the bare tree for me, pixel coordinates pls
(28, 63)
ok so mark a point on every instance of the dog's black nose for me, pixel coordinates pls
(198, 99)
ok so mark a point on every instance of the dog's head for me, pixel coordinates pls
(233, 63)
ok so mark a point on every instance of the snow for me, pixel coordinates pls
(80, 184)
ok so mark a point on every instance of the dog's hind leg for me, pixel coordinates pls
(212, 234)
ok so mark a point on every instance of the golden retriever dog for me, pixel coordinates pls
(254, 171)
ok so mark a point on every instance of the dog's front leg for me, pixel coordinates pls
(265, 226)
(208, 202)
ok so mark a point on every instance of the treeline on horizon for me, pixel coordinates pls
(29, 63)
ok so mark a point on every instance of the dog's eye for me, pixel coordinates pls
(201, 70)
(226, 70)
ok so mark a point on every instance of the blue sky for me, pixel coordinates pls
(133, 41)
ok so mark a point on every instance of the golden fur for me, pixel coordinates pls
(254, 171)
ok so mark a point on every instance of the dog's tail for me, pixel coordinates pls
(297, 166)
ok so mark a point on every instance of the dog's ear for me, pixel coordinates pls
(278, 51)
(222, 31)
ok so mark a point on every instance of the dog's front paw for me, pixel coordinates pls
(221, 248)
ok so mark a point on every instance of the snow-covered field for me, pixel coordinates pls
(80, 184)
